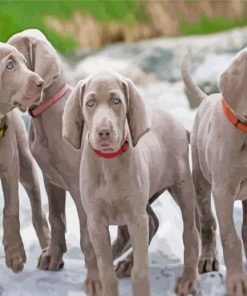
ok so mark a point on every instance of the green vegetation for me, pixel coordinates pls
(208, 26)
(17, 15)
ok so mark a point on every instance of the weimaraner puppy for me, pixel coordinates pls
(126, 159)
(59, 162)
(219, 154)
(17, 86)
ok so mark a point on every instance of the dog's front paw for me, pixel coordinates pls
(92, 284)
(208, 264)
(124, 267)
(51, 260)
(186, 285)
(15, 257)
(236, 284)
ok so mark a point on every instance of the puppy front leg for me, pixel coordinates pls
(100, 238)
(29, 180)
(236, 276)
(14, 250)
(139, 235)
(92, 283)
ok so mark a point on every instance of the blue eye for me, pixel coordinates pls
(116, 101)
(9, 65)
(90, 103)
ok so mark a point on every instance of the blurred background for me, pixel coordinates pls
(142, 39)
(146, 41)
(95, 23)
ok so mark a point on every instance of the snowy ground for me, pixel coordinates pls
(166, 250)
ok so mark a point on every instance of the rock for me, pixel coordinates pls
(160, 59)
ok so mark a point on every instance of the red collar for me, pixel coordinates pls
(120, 151)
(232, 118)
(36, 111)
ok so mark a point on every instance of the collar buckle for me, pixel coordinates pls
(232, 118)
(4, 128)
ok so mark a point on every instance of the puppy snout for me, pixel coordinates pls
(39, 82)
(104, 134)
(16, 104)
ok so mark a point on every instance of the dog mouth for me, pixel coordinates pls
(25, 104)
(33, 99)
(108, 146)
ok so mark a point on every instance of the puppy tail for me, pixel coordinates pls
(191, 87)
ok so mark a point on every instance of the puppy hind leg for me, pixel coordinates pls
(244, 226)
(183, 192)
(209, 259)
(52, 257)
(236, 278)
(124, 267)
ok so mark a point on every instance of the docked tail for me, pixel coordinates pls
(191, 87)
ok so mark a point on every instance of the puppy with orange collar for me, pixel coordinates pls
(219, 154)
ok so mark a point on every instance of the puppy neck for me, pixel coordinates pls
(53, 88)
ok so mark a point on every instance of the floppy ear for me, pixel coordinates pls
(73, 122)
(137, 115)
(232, 82)
(41, 57)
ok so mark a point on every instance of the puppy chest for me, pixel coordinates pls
(113, 203)
(112, 212)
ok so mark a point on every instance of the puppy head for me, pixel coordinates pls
(105, 102)
(18, 85)
(40, 55)
(233, 86)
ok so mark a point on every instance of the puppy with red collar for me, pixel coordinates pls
(126, 159)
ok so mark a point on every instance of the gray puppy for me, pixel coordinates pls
(219, 154)
(17, 86)
(126, 159)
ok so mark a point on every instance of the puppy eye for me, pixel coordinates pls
(90, 103)
(116, 101)
(9, 65)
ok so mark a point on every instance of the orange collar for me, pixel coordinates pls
(232, 118)
(34, 112)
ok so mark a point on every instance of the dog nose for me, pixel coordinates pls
(16, 104)
(39, 82)
(104, 134)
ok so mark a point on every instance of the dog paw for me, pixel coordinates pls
(92, 284)
(186, 285)
(124, 267)
(236, 284)
(15, 257)
(208, 264)
(51, 260)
